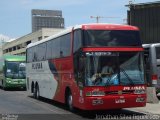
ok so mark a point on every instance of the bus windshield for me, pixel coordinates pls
(15, 70)
(114, 68)
(111, 38)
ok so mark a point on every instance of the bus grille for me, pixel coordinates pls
(119, 92)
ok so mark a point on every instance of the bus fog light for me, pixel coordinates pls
(8, 81)
(140, 100)
(140, 92)
(95, 93)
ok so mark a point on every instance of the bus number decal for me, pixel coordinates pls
(37, 66)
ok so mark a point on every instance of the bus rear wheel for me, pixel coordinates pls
(3, 86)
(36, 92)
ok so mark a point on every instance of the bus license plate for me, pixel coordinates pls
(120, 101)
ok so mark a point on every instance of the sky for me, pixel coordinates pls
(15, 19)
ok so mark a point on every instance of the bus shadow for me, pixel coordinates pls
(51, 102)
(158, 97)
(102, 114)
(110, 114)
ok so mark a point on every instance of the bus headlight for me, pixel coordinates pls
(8, 81)
(95, 93)
(140, 92)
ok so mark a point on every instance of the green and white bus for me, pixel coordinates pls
(12, 71)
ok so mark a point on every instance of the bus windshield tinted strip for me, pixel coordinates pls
(111, 38)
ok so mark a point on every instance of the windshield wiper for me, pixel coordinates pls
(108, 80)
(124, 72)
(13, 77)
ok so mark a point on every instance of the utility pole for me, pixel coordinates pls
(98, 17)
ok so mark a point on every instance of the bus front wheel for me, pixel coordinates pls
(70, 101)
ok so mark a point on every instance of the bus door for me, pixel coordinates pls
(79, 69)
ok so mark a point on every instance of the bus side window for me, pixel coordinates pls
(49, 50)
(41, 52)
(77, 40)
(29, 55)
(56, 48)
(65, 45)
(34, 54)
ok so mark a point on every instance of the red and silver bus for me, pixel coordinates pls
(67, 67)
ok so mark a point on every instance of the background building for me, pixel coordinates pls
(46, 19)
(3, 40)
(44, 24)
(18, 46)
(147, 17)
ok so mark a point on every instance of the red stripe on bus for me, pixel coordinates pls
(108, 27)
(111, 49)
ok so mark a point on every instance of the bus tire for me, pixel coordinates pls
(32, 87)
(24, 89)
(69, 101)
(3, 87)
(36, 92)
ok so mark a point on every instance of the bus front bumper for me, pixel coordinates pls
(113, 102)
(15, 83)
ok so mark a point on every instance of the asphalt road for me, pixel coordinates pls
(17, 104)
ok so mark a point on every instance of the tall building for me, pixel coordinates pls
(46, 19)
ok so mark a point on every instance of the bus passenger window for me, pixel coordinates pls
(65, 45)
(77, 40)
(34, 54)
(49, 50)
(41, 52)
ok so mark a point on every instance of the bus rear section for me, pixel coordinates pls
(13, 72)
(68, 67)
